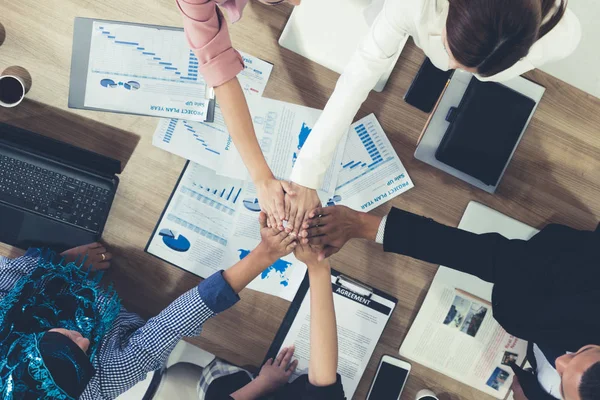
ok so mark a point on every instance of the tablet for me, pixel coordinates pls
(437, 125)
(136, 69)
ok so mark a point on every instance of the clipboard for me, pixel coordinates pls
(82, 41)
(350, 289)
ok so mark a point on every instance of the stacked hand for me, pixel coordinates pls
(275, 243)
(271, 195)
(330, 228)
(286, 201)
(299, 204)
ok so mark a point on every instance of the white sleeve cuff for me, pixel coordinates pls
(381, 230)
(306, 177)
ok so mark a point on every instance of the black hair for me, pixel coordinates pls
(589, 387)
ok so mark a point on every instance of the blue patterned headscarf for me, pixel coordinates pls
(54, 295)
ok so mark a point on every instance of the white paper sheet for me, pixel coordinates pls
(360, 323)
(210, 224)
(371, 172)
(281, 279)
(144, 70)
(205, 142)
(282, 128)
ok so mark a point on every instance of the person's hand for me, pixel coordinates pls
(95, 255)
(310, 255)
(298, 204)
(307, 254)
(275, 243)
(271, 198)
(275, 373)
(518, 393)
(331, 227)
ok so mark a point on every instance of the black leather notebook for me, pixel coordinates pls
(484, 130)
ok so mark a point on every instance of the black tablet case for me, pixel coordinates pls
(484, 130)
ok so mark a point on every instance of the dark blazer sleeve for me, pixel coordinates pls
(483, 255)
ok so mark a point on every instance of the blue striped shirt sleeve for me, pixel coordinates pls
(123, 363)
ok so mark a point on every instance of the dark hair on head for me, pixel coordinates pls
(589, 387)
(492, 35)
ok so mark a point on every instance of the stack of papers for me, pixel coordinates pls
(211, 221)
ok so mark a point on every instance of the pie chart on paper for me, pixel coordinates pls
(174, 241)
(251, 204)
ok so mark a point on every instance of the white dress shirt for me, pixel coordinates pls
(424, 20)
(547, 375)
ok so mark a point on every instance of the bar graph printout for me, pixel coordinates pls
(144, 70)
(201, 231)
(371, 172)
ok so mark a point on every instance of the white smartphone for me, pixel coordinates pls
(390, 379)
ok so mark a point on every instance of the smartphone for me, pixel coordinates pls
(389, 380)
(428, 85)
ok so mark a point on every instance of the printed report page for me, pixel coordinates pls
(360, 323)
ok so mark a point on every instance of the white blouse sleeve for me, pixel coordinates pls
(368, 63)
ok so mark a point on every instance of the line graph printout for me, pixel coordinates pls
(211, 223)
(371, 172)
(144, 70)
(205, 142)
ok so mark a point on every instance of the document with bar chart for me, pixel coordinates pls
(371, 171)
(205, 142)
(282, 129)
(144, 70)
(201, 231)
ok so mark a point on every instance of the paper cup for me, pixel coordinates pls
(426, 394)
(12, 91)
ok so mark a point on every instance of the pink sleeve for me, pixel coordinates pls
(207, 33)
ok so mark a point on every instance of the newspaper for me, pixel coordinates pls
(455, 332)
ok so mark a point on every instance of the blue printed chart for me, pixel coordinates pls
(366, 150)
(210, 224)
(371, 172)
(144, 70)
(201, 212)
(174, 241)
(183, 138)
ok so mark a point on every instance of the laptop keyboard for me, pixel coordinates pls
(52, 194)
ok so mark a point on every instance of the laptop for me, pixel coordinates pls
(52, 194)
(329, 31)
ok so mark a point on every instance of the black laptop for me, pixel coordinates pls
(52, 194)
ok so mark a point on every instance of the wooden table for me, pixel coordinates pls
(554, 176)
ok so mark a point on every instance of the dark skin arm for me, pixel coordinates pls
(332, 227)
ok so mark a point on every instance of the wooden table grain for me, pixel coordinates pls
(554, 176)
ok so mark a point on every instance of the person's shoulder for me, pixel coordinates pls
(564, 234)
(414, 11)
(561, 41)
